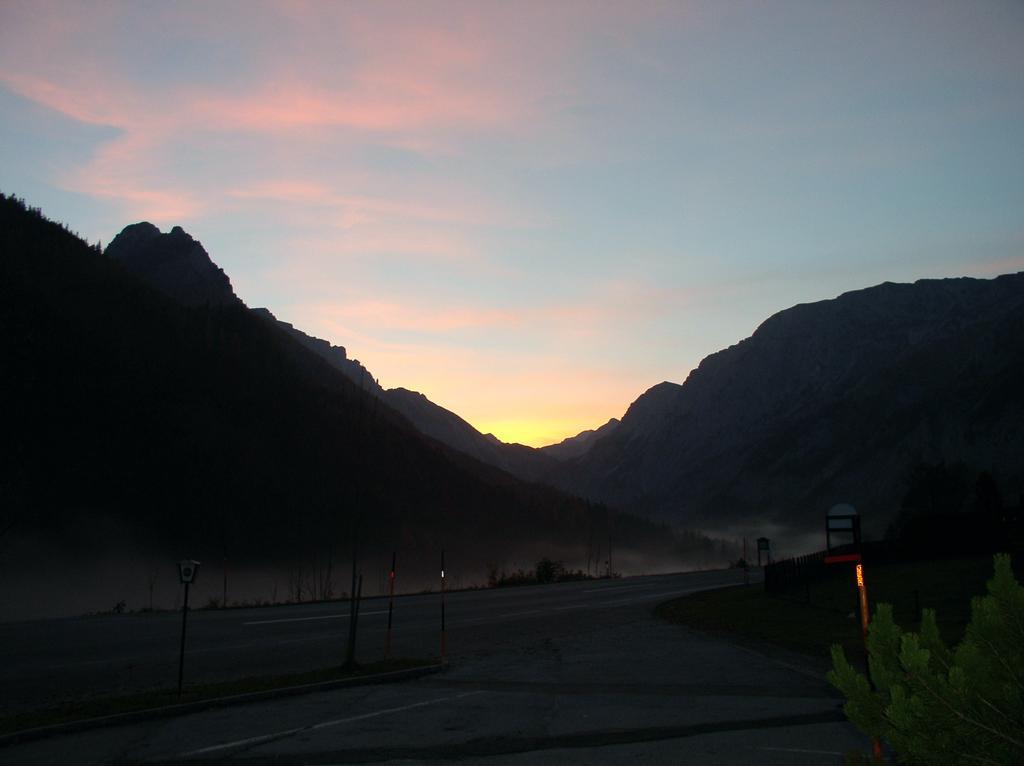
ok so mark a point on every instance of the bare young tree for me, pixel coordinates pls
(151, 579)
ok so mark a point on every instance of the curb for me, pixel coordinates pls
(169, 711)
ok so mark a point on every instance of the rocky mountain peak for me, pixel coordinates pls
(174, 263)
(578, 445)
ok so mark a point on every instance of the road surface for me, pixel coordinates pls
(571, 673)
(49, 660)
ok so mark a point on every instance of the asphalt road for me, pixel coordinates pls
(47, 661)
(579, 673)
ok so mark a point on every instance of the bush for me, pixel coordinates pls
(937, 706)
(549, 571)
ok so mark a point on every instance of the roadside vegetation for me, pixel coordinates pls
(546, 571)
(98, 707)
(933, 704)
(946, 678)
(813, 617)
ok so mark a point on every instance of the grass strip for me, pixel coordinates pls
(77, 710)
(809, 619)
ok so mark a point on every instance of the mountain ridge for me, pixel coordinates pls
(147, 430)
(754, 430)
(174, 263)
(179, 266)
(575, 446)
(697, 452)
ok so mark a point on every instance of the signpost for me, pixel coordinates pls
(843, 523)
(187, 571)
(391, 605)
(764, 544)
(444, 634)
(353, 604)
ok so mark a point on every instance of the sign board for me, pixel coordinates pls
(187, 570)
(763, 544)
(842, 530)
(846, 558)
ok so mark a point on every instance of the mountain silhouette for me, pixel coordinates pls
(578, 445)
(178, 266)
(336, 356)
(143, 427)
(447, 427)
(832, 401)
(428, 418)
(173, 263)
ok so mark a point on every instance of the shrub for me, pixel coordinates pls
(549, 571)
(937, 706)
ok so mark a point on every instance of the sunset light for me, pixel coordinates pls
(501, 361)
(609, 191)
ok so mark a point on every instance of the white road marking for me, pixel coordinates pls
(619, 587)
(651, 597)
(313, 727)
(305, 619)
(800, 750)
(816, 675)
(593, 604)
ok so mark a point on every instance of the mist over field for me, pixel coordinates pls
(40, 579)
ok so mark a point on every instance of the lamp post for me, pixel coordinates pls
(187, 571)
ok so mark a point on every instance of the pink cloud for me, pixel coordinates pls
(318, 78)
(392, 104)
(70, 101)
(396, 316)
(366, 207)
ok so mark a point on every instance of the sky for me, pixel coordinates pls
(530, 211)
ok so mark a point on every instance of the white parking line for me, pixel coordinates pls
(304, 619)
(313, 727)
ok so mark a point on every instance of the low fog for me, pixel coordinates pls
(46, 579)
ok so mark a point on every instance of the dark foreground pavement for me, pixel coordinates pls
(589, 678)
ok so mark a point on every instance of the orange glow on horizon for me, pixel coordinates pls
(536, 433)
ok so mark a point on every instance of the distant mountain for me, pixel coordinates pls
(336, 356)
(144, 428)
(179, 267)
(447, 427)
(826, 402)
(173, 263)
(576, 446)
(428, 418)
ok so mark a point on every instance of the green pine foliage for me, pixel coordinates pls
(934, 705)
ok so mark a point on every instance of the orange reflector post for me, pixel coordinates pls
(863, 597)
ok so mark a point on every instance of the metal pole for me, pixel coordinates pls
(359, 598)
(391, 605)
(444, 634)
(746, 565)
(181, 655)
(350, 649)
(610, 568)
(862, 591)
